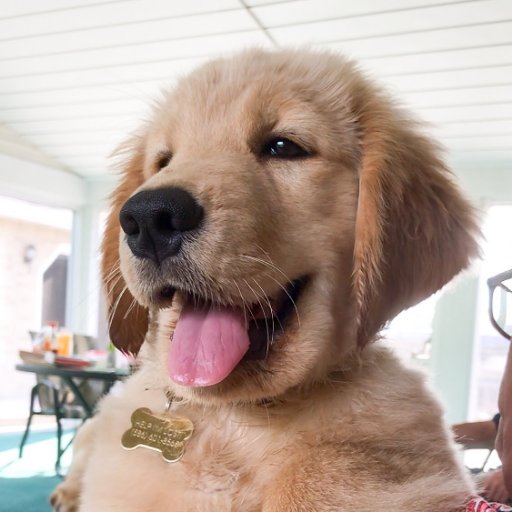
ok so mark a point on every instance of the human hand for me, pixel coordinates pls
(494, 488)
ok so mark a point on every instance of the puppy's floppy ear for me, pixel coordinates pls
(128, 320)
(414, 229)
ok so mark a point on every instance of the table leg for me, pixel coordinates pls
(79, 396)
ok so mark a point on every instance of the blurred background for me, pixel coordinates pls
(77, 76)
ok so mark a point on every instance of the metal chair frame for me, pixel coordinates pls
(56, 409)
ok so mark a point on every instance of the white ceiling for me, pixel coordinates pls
(77, 75)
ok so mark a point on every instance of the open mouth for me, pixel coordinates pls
(210, 340)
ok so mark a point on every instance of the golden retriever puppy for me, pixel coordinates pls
(276, 211)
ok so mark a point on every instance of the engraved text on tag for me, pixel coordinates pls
(160, 432)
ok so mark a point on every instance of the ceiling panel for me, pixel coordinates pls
(99, 76)
(162, 61)
(77, 75)
(493, 75)
(448, 60)
(106, 14)
(92, 124)
(476, 113)
(139, 52)
(418, 43)
(72, 152)
(99, 137)
(480, 143)
(96, 160)
(141, 92)
(499, 129)
(308, 11)
(78, 42)
(403, 21)
(112, 109)
(90, 165)
(469, 95)
(30, 7)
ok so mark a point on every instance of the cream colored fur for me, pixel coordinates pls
(329, 421)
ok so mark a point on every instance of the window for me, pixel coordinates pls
(490, 347)
(410, 332)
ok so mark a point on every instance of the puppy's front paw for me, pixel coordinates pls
(65, 497)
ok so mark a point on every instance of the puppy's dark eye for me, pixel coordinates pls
(281, 147)
(163, 160)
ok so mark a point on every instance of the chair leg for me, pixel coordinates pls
(59, 430)
(29, 421)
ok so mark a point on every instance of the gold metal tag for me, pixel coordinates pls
(160, 432)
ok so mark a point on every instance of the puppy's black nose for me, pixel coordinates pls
(155, 220)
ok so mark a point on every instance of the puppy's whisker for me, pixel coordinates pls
(130, 308)
(113, 271)
(115, 282)
(113, 279)
(263, 294)
(270, 265)
(261, 307)
(288, 295)
(271, 312)
(271, 262)
(244, 304)
(116, 305)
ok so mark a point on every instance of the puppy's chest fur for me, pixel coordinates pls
(224, 457)
(230, 460)
(325, 444)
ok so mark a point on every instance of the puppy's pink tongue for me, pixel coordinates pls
(206, 346)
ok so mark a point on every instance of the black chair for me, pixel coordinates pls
(52, 401)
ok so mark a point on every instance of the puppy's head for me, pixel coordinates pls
(290, 209)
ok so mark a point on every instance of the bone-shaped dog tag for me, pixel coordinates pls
(159, 432)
